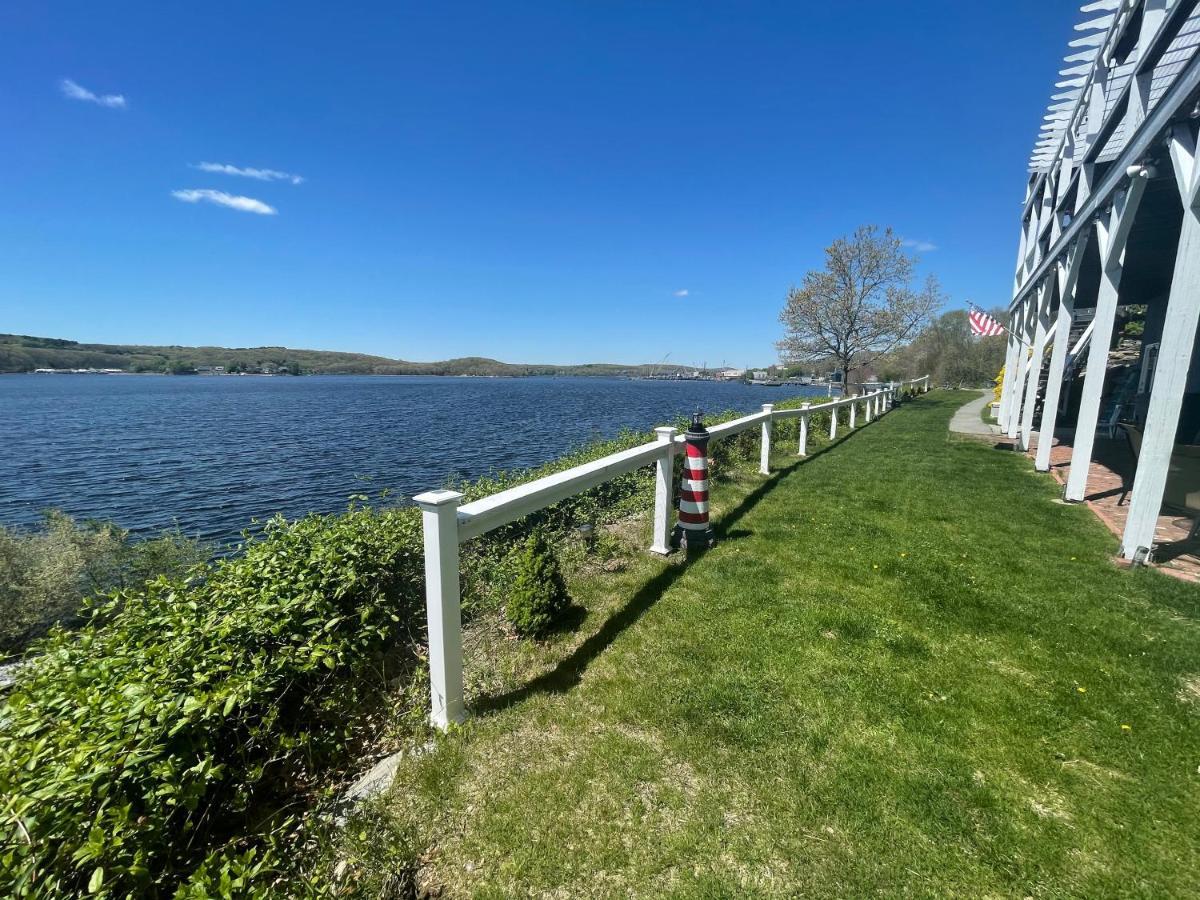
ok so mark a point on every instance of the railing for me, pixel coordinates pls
(447, 524)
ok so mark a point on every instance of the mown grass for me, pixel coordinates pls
(904, 670)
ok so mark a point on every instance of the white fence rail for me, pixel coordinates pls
(447, 524)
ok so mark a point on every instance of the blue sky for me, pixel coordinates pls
(533, 181)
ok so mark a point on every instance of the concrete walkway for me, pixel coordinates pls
(967, 419)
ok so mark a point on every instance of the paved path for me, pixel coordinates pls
(967, 421)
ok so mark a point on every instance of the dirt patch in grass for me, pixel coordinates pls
(1189, 691)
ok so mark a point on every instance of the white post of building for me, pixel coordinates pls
(1008, 355)
(764, 451)
(439, 518)
(833, 422)
(1112, 237)
(664, 473)
(1174, 357)
(1010, 367)
(1024, 361)
(853, 410)
(1015, 386)
(1041, 332)
(1068, 278)
(803, 448)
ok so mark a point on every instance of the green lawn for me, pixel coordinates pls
(904, 671)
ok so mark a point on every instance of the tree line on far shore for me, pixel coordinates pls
(24, 353)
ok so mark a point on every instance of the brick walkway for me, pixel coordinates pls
(1111, 474)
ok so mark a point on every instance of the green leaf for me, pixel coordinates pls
(96, 881)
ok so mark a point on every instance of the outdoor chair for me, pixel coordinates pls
(1182, 492)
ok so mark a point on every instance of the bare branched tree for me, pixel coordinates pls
(862, 305)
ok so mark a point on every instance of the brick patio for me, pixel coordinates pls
(1110, 475)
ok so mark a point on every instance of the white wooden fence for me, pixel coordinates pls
(447, 523)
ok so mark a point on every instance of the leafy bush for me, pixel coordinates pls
(45, 574)
(185, 708)
(538, 596)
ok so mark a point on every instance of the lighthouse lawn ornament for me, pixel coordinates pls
(692, 531)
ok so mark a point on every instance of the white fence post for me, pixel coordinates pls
(803, 449)
(853, 411)
(764, 453)
(867, 408)
(663, 489)
(925, 386)
(833, 422)
(439, 519)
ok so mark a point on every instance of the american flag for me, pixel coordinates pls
(983, 324)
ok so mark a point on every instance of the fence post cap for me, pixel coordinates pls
(666, 432)
(434, 499)
(768, 407)
(805, 405)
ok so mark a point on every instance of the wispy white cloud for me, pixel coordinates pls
(918, 245)
(247, 172)
(75, 91)
(220, 198)
(682, 292)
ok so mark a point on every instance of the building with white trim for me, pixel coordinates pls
(1110, 233)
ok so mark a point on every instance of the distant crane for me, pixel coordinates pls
(661, 362)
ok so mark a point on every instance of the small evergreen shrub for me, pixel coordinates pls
(538, 597)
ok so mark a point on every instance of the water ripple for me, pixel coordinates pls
(210, 454)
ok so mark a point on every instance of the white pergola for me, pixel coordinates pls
(1125, 118)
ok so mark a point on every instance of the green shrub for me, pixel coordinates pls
(538, 596)
(185, 710)
(46, 573)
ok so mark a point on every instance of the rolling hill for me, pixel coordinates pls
(23, 353)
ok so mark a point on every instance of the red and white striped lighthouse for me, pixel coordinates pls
(692, 531)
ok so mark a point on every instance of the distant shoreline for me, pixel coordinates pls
(27, 354)
(206, 375)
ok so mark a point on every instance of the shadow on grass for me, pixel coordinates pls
(569, 671)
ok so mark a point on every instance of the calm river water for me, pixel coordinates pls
(212, 453)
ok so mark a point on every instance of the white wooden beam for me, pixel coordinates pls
(1024, 363)
(1173, 362)
(1068, 278)
(1183, 162)
(1010, 368)
(1040, 331)
(1112, 237)
(1154, 13)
